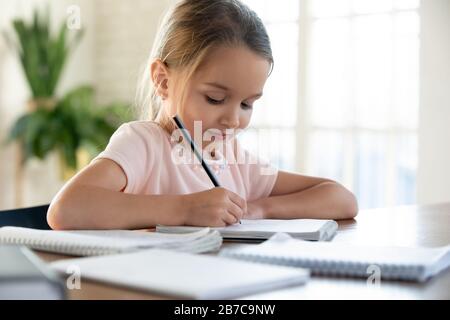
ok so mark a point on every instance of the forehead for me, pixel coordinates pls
(237, 68)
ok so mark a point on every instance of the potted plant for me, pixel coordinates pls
(42, 55)
(72, 124)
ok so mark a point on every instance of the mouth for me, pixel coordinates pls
(222, 136)
(227, 136)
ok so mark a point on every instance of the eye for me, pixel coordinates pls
(246, 106)
(214, 101)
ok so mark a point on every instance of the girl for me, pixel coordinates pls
(208, 65)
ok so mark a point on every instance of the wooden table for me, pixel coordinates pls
(427, 226)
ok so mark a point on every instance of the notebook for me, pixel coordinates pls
(343, 259)
(263, 229)
(24, 276)
(102, 242)
(184, 275)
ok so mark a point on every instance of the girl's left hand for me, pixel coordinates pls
(255, 210)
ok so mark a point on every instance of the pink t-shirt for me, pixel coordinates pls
(151, 160)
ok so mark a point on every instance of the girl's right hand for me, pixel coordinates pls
(216, 207)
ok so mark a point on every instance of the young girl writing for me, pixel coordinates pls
(209, 64)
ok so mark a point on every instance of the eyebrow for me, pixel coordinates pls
(220, 86)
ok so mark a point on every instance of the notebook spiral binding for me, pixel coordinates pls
(338, 268)
(61, 247)
(85, 249)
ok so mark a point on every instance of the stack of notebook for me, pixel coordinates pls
(102, 242)
(346, 259)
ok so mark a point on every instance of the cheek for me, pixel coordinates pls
(244, 119)
(191, 109)
(195, 109)
(195, 105)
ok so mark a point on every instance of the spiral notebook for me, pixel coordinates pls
(263, 229)
(341, 259)
(184, 275)
(102, 242)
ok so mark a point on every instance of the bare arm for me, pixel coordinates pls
(93, 200)
(298, 196)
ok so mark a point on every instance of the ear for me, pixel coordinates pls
(159, 74)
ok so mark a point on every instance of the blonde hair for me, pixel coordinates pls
(187, 33)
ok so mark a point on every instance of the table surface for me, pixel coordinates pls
(427, 226)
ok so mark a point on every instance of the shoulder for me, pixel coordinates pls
(143, 127)
(147, 131)
(138, 138)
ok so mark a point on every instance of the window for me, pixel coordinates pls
(342, 101)
(272, 132)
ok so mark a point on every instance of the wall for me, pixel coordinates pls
(124, 37)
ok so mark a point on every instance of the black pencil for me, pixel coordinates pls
(194, 149)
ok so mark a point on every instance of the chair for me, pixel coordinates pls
(31, 217)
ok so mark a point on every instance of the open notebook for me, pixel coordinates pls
(102, 242)
(262, 229)
(183, 274)
(343, 259)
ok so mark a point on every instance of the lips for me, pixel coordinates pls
(222, 136)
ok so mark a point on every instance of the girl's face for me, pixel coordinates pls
(223, 90)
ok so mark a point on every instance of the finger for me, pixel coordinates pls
(235, 210)
(238, 200)
(229, 219)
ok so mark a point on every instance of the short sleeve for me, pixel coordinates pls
(259, 175)
(129, 147)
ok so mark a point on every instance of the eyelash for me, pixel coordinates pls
(217, 102)
(213, 101)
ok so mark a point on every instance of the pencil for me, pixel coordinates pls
(194, 149)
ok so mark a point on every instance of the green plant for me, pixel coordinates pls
(63, 124)
(73, 123)
(42, 55)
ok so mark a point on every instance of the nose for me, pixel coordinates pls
(230, 120)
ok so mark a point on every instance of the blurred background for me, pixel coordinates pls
(360, 92)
